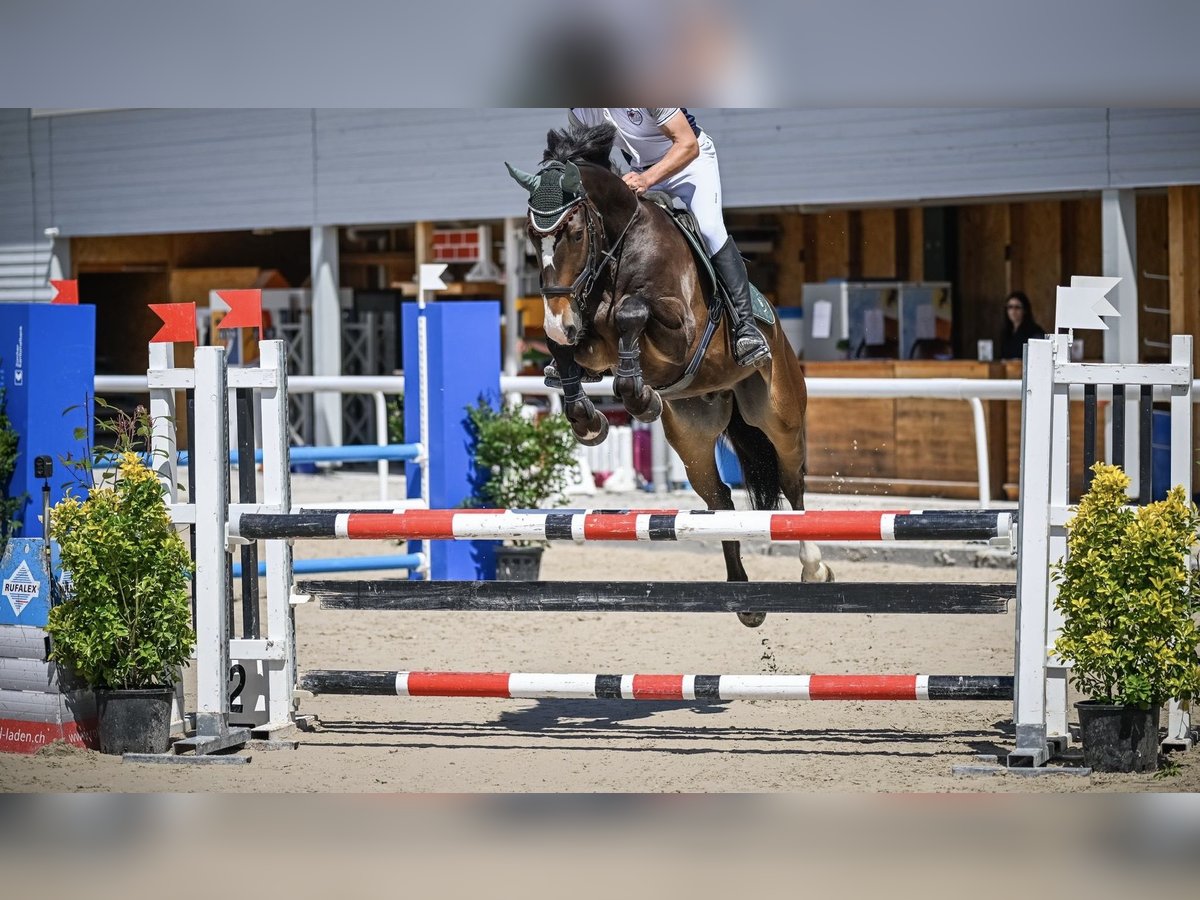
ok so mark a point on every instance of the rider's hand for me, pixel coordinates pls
(638, 183)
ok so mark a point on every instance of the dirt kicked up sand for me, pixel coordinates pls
(471, 745)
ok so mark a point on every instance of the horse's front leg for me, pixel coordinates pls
(588, 423)
(641, 400)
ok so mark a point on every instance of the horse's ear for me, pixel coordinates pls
(524, 179)
(572, 182)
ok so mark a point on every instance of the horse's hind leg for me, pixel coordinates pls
(791, 470)
(641, 400)
(791, 480)
(692, 427)
(772, 407)
(789, 443)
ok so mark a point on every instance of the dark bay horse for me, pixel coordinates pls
(623, 294)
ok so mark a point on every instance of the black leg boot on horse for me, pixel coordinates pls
(588, 423)
(749, 346)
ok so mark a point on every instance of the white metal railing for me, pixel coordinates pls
(970, 390)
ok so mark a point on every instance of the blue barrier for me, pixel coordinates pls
(348, 453)
(344, 564)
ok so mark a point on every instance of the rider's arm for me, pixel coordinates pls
(684, 149)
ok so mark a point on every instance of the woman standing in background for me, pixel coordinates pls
(1019, 326)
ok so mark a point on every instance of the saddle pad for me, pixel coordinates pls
(684, 221)
(763, 311)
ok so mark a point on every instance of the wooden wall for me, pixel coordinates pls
(1032, 246)
(810, 247)
(925, 447)
(906, 447)
(121, 275)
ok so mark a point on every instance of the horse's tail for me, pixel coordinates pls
(760, 463)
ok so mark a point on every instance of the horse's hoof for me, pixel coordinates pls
(594, 438)
(752, 619)
(653, 411)
(828, 572)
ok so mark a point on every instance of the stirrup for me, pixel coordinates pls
(553, 382)
(754, 354)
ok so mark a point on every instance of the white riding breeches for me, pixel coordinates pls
(699, 187)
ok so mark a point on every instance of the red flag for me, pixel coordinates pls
(179, 323)
(245, 310)
(67, 292)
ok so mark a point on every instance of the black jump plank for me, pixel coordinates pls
(1118, 425)
(1089, 434)
(1145, 433)
(662, 596)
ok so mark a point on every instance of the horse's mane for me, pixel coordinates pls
(581, 144)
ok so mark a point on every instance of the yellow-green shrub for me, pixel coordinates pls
(1128, 596)
(126, 620)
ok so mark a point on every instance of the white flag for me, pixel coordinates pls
(431, 276)
(1082, 304)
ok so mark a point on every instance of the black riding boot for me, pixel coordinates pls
(749, 346)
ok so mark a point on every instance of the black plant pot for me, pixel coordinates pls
(134, 720)
(518, 563)
(1118, 738)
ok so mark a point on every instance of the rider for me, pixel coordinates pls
(667, 151)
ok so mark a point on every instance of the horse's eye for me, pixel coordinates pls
(577, 236)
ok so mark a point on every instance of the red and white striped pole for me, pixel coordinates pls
(633, 525)
(540, 686)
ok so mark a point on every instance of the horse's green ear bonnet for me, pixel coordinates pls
(553, 192)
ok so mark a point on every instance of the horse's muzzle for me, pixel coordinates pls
(561, 321)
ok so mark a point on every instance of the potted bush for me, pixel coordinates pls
(524, 462)
(124, 623)
(1128, 595)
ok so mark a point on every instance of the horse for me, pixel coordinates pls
(624, 294)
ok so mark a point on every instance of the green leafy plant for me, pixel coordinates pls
(125, 619)
(395, 420)
(524, 462)
(1128, 596)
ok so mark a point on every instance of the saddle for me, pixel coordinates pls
(686, 223)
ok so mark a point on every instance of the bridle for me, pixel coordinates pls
(597, 258)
